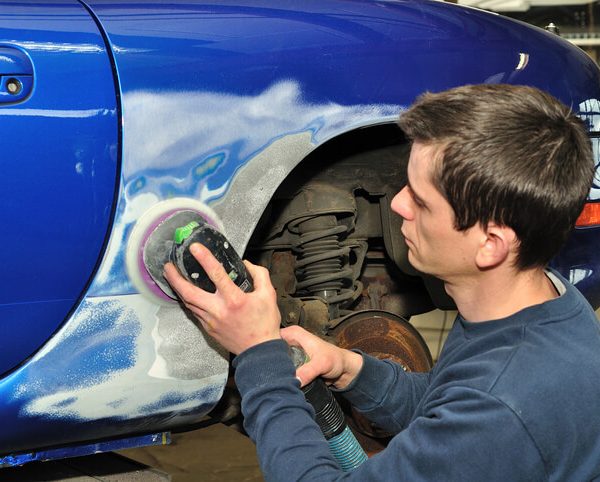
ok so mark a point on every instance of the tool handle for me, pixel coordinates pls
(216, 242)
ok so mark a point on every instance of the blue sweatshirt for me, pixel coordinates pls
(511, 399)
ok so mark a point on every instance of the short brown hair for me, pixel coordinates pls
(512, 155)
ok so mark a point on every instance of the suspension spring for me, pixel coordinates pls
(322, 263)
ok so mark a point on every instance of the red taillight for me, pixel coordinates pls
(590, 216)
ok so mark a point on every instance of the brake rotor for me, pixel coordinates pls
(383, 335)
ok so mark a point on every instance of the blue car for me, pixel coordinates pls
(274, 121)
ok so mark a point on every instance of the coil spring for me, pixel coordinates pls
(322, 262)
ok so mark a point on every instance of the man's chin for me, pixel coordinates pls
(419, 266)
(413, 260)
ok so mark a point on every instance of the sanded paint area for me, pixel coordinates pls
(116, 377)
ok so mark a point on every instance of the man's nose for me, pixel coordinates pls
(401, 204)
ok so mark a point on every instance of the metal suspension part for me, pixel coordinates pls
(322, 262)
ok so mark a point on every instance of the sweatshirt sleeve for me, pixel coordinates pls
(385, 393)
(463, 435)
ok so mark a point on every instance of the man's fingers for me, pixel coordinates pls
(260, 275)
(214, 269)
(184, 288)
(295, 335)
(177, 282)
(201, 314)
(307, 373)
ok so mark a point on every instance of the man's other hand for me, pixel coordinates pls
(237, 320)
(335, 365)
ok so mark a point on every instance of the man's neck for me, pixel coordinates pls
(493, 295)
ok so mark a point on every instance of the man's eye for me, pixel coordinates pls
(416, 200)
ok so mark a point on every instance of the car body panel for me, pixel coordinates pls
(220, 102)
(59, 160)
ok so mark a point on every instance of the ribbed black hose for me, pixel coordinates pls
(330, 418)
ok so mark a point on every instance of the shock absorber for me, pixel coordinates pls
(322, 263)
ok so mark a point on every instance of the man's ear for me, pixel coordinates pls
(498, 244)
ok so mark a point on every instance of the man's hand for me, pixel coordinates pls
(335, 365)
(237, 320)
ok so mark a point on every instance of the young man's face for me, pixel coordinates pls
(434, 245)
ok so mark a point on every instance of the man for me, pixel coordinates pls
(496, 178)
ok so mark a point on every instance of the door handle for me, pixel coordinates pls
(16, 75)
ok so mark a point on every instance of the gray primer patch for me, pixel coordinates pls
(185, 361)
(254, 184)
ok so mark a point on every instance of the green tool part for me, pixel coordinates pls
(183, 232)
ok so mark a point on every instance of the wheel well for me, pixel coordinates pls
(346, 145)
(352, 179)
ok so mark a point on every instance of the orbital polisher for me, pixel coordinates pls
(171, 240)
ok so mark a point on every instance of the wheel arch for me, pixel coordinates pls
(289, 162)
(255, 184)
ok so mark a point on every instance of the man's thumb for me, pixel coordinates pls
(306, 374)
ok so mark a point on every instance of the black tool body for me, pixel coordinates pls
(218, 245)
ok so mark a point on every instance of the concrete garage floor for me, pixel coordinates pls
(215, 453)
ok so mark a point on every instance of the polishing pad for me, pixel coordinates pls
(151, 241)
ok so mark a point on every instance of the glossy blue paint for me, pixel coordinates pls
(59, 164)
(342, 51)
(579, 260)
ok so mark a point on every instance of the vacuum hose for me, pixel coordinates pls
(330, 418)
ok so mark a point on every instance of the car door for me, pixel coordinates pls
(60, 149)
